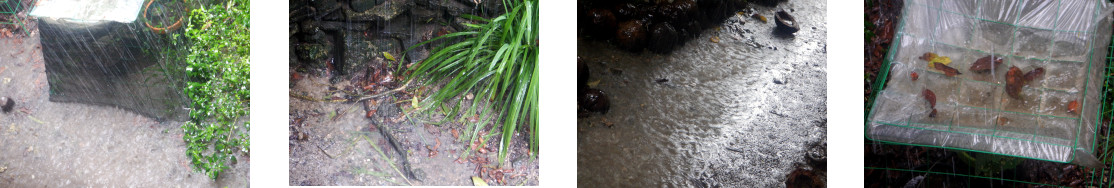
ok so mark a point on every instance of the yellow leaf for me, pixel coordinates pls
(715, 39)
(594, 83)
(477, 181)
(941, 60)
(388, 56)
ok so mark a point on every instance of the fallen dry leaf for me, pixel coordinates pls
(1014, 82)
(984, 64)
(914, 76)
(1033, 74)
(949, 71)
(759, 17)
(1073, 107)
(931, 97)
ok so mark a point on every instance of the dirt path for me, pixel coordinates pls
(49, 144)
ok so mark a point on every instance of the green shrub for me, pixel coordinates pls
(216, 58)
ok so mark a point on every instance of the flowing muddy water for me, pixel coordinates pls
(742, 111)
(50, 144)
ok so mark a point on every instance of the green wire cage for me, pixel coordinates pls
(11, 8)
(986, 137)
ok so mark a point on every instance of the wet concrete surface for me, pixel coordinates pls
(50, 144)
(738, 112)
(338, 136)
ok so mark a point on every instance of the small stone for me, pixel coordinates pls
(595, 100)
(8, 103)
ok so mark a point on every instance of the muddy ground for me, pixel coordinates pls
(335, 147)
(337, 53)
(737, 106)
(50, 144)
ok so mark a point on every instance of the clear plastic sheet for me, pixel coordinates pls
(95, 52)
(1066, 38)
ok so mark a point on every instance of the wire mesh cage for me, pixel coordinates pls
(976, 111)
(980, 134)
(8, 10)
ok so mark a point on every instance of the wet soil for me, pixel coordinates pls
(915, 161)
(50, 144)
(882, 20)
(737, 106)
(331, 144)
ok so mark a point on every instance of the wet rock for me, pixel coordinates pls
(8, 103)
(803, 178)
(669, 22)
(326, 10)
(360, 51)
(629, 11)
(455, 8)
(714, 12)
(423, 14)
(364, 5)
(678, 12)
(663, 38)
(770, 2)
(631, 35)
(595, 100)
(786, 24)
(385, 11)
(312, 55)
(689, 30)
(818, 155)
(602, 23)
(581, 74)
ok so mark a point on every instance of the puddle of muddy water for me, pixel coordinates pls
(50, 144)
(738, 112)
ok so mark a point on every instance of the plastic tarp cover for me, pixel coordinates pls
(1067, 38)
(124, 11)
(99, 54)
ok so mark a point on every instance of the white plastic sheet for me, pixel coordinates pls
(1067, 38)
(124, 11)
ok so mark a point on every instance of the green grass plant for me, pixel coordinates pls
(496, 60)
